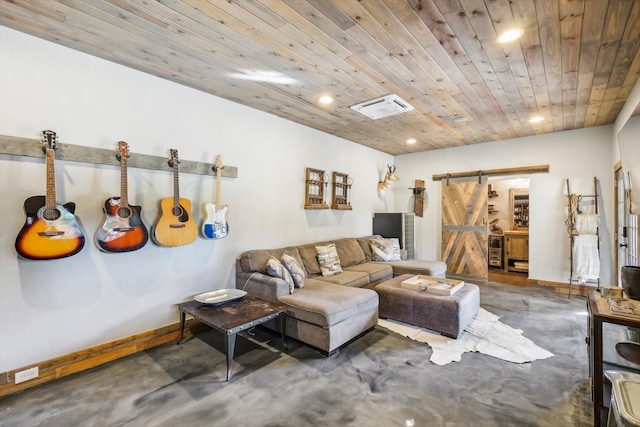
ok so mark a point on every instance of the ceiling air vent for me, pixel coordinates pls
(383, 107)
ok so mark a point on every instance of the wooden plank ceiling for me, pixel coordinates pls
(575, 64)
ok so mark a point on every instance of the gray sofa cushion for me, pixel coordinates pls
(365, 245)
(309, 257)
(256, 260)
(350, 278)
(376, 271)
(349, 252)
(325, 304)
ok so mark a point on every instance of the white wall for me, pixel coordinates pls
(52, 308)
(578, 155)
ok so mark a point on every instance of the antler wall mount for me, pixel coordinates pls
(389, 176)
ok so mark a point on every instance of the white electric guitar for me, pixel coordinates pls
(215, 225)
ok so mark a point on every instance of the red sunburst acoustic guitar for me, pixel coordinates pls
(123, 229)
(175, 225)
(51, 230)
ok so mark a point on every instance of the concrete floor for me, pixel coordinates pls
(381, 379)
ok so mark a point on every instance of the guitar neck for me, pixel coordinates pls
(218, 186)
(124, 197)
(176, 186)
(50, 199)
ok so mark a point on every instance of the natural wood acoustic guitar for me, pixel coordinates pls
(215, 225)
(51, 230)
(123, 229)
(175, 225)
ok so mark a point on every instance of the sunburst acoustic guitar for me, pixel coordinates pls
(175, 225)
(123, 229)
(51, 230)
(215, 225)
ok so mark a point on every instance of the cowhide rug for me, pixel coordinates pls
(486, 334)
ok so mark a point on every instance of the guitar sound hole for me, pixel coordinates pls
(124, 212)
(176, 211)
(51, 214)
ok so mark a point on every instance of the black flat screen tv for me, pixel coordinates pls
(389, 225)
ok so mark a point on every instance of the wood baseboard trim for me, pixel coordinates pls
(91, 357)
(562, 287)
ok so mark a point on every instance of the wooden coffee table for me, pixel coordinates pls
(233, 317)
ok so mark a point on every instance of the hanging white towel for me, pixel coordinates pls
(587, 223)
(586, 259)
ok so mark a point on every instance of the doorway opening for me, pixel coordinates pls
(508, 216)
(627, 228)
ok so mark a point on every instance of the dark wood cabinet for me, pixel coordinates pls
(600, 314)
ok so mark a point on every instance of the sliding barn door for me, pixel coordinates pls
(464, 228)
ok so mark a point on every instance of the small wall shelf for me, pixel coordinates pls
(16, 146)
(315, 187)
(341, 187)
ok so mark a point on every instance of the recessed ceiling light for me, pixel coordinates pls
(460, 119)
(411, 141)
(325, 99)
(536, 119)
(510, 35)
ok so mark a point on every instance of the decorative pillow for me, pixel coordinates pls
(328, 260)
(276, 269)
(295, 269)
(385, 249)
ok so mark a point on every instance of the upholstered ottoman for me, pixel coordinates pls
(448, 315)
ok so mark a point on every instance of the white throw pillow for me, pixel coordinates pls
(297, 272)
(276, 269)
(385, 249)
(328, 260)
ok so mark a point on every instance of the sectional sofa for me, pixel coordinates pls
(327, 310)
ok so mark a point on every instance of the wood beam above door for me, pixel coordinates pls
(492, 172)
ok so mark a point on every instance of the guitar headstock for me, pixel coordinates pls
(49, 140)
(218, 165)
(173, 159)
(123, 150)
